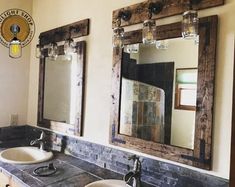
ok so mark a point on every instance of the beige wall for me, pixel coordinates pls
(14, 74)
(54, 13)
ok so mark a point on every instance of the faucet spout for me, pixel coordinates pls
(133, 177)
(39, 141)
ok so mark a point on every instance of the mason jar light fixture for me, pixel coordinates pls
(162, 44)
(118, 35)
(149, 25)
(53, 51)
(190, 21)
(190, 24)
(69, 44)
(118, 31)
(39, 50)
(149, 31)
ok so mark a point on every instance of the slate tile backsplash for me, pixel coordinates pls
(153, 172)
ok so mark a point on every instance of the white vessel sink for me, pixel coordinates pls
(108, 183)
(24, 155)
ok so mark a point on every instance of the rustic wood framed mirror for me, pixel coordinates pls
(146, 85)
(61, 80)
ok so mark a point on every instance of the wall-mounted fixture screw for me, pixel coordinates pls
(125, 15)
(156, 7)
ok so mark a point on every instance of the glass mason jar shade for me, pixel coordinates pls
(53, 51)
(162, 44)
(149, 32)
(118, 36)
(69, 46)
(190, 24)
(133, 48)
(39, 51)
(15, 48)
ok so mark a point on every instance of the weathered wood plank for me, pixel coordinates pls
(205, 84)
(171, 7)
(62, 33)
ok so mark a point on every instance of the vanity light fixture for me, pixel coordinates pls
(133, 48)
(149, 26)
(53, 51)
(15, 48)
(118, 31)
(69, 48)
(190, 21)
(162, 44)
(69, 44)
(39, 51)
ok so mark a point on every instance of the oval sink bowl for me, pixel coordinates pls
(24, 155)
(108, 183)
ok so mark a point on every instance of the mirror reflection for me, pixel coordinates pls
(60, 89)
(158, 91)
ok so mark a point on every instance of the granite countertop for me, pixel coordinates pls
(71, 172)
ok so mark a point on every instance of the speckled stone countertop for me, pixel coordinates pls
(71, 172)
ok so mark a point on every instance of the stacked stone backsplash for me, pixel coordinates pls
(154, 172)
(13, 136)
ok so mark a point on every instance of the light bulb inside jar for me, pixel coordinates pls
(149, 32)
(162, 44)
(118, 36)
(69, 46)
(190, 24)
(39, 51)
(53, 51)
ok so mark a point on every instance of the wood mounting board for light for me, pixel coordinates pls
(62, 33)
(171, 7)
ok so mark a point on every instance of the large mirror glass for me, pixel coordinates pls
(158, 93)
(61, 91)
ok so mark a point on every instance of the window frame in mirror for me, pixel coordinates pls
(178, 90)
(201, 155)
(73, 129)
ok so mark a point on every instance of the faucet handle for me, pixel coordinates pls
(137, 163)
(133, 157)
(43, 135)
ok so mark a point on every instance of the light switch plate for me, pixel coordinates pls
(14, 119)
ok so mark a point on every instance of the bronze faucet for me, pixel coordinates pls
(39, 141)
(132, 178)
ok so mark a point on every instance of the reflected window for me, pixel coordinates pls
(186, 89)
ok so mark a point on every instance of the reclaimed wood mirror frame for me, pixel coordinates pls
(201, 155)
(60, 34)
